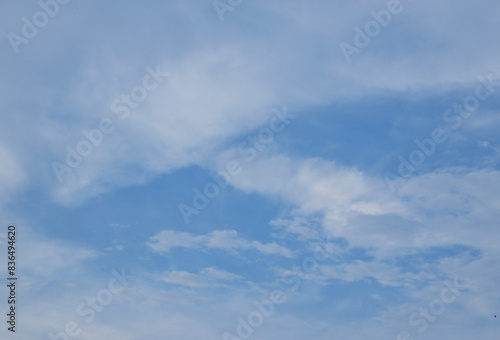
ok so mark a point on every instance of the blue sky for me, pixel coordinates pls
(226, 170)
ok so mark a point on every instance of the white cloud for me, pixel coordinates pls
(218, 274)
(387, 274)
(165, 240)
(316, 185)
(434, 209)
(222, 85)
(227, 240)
(184, 278)
(224, 81)
(208, 277)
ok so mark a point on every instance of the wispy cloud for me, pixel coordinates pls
(227, 240)
(208, 277)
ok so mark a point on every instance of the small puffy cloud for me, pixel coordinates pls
(168, 239)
